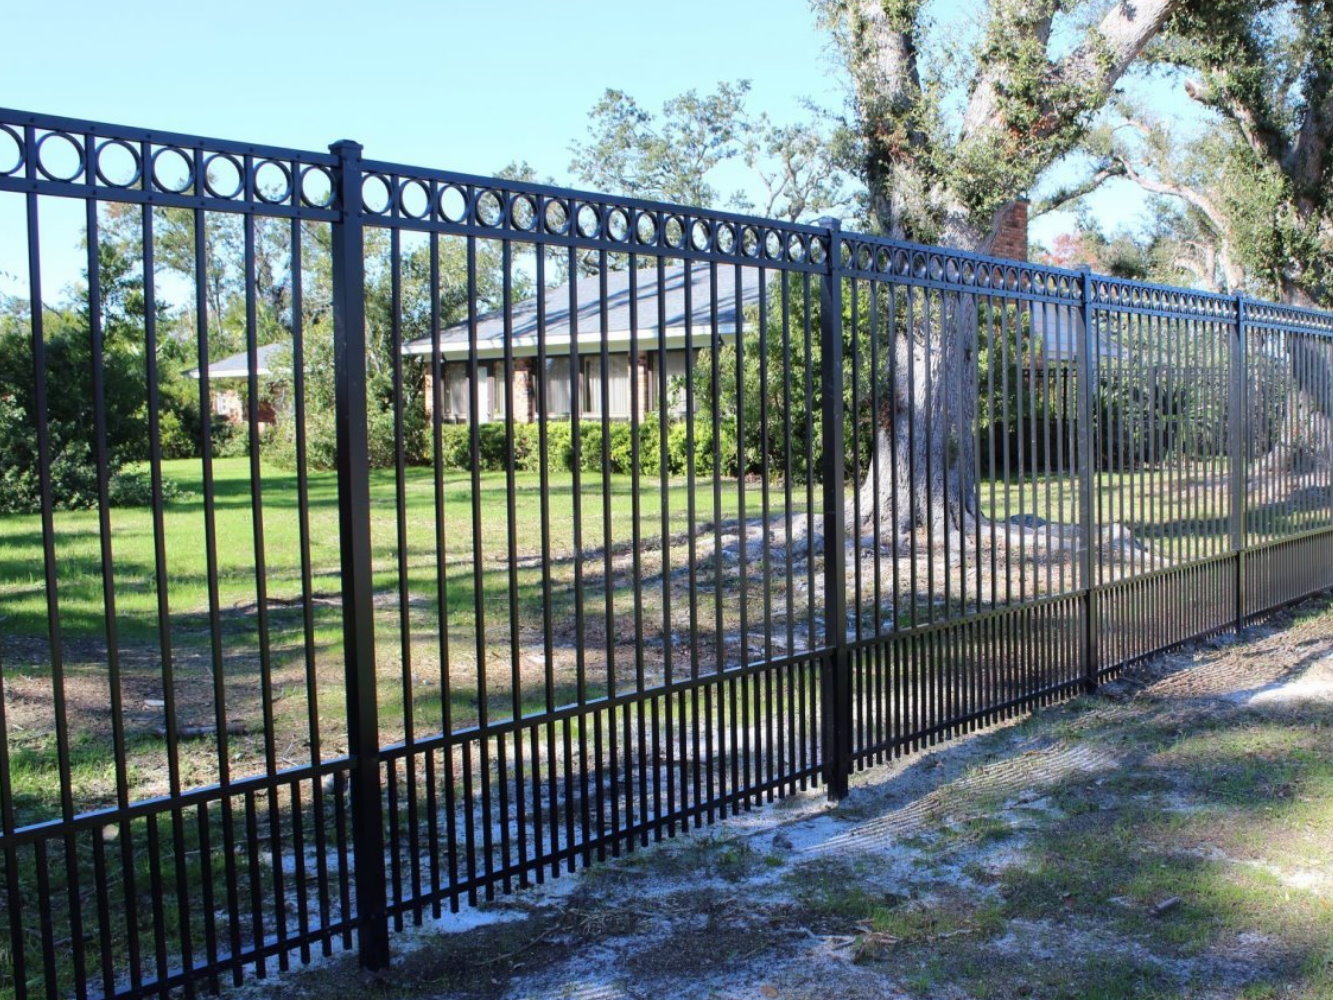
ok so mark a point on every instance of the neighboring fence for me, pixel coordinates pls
(879, 495)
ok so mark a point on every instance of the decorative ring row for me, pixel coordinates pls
(1170, 300)
(559, 215)
(66, 158)
(955, 270)
(1270, 312)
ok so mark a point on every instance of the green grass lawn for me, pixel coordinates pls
(306, 667)
(78, 552)
(1179, 512)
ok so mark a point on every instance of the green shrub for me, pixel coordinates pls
(493, 446)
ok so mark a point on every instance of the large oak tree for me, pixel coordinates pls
(944, 154)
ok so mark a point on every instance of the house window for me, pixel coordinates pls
(556, 378)
(457, 404)
(617, 387)
(676, 371)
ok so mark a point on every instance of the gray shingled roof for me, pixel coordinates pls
(238, 365)
(588, 292)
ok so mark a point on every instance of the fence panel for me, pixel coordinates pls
(624, 635)
(382, 538)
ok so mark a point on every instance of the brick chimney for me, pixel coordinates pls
(1011, 231)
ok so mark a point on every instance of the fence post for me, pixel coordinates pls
(353, 466)
(835, 678)
(1087, 341)
(1237, 432)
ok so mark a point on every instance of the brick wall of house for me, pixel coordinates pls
(643, 376)
(1012, 239)
(525, 390)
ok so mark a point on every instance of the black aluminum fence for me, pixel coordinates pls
(378, 539)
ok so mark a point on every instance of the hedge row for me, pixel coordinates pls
(493, 447)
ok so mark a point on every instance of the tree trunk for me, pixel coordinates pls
(922, 476)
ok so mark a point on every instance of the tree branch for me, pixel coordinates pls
(884, 56)
(1083, 79)
(1309, 153)
(1201, 262)
(1189, 195)
(1074, 192)
(1254, 123)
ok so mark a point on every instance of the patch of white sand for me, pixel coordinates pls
(1315, 684)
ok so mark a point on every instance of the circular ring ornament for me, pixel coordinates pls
(586, 221)
(59, 157)
(171, 170)
(863, 258)
(673, 231)
(490, 209)
(645, 229)
(414, 199)
(523, 213)
(316, 187)
(699, 234)
(451, 203)
(749, 242)
(224, 176)
(376, 195)
(617, 225)
(273, 182)
(726, 238)
(11, 151)
(818, 250)
(118, 164)
(772, 245)
(795, 248)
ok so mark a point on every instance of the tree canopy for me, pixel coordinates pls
(946, 135)
(1245, 185)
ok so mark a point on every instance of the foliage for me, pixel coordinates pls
(673, 156)
(411, 310)
(776, 402)
(951, 120)
(632, 151)
(493, 447)
(77, 430)
(1247, 194)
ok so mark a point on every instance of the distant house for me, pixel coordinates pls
(225, 400)
(663, 324)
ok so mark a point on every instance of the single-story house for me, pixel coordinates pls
(658, 349)
(227, 402)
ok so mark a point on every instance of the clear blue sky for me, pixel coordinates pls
(468, 86)
(461, 85)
